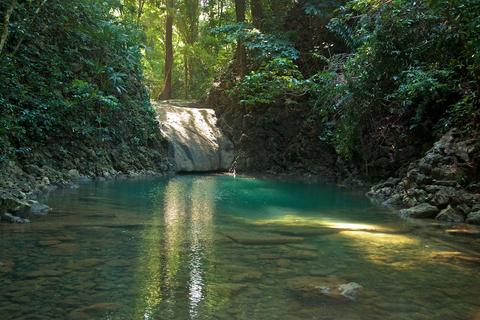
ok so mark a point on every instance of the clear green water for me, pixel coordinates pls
(215, 247)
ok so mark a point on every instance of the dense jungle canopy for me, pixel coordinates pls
(357, 74)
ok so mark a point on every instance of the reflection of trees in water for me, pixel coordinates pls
(174, 257)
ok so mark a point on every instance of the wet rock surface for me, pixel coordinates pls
(450, 214)
(474, 217)
(270, 140)
(196, 142)
(8, 217)
(423, 210)
(47, 167)
(445, 178)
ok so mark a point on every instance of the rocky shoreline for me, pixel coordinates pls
(22, 181)
(442, 185)
(20, 190)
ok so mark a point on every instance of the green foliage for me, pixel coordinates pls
(320, 8)
(71, 72)
(411, 60)
(262, 47)
(199, 54)
(274, 77)
(277, 81)
(76, 70)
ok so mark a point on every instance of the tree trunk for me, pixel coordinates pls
(186, 65)
(6, 21)
(240, 53)
(192, 20)
(167, 89)
(256, 9)
(141, 4)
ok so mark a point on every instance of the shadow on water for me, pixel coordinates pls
(214, 247)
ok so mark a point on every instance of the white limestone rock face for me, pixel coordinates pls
(196, 142)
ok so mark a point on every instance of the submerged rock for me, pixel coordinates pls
(44, 274)
(227, 289)
(283, 263)
(94, 311)
(48, 243)
(6, 266)
(423, 210)
(86, 263)
(323, 289)
(248, 238)
(247, 276)
(8, 217)
(37, 208)
(301, 255)
(304, 232)
(350, 290)
(64, 249)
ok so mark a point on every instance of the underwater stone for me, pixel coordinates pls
(44, 274)
(350, 290)
(8, 217)
(37, 208)
(47, 243)
(247, 276)
(93, 311)
(261, 238)
(325, 289)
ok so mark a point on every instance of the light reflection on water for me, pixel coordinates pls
(203, 247)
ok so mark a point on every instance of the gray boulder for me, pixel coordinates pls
(443, 196)
(473, 217)
(13, 203)
(37, 208)
(450, 214)
(423, 210)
